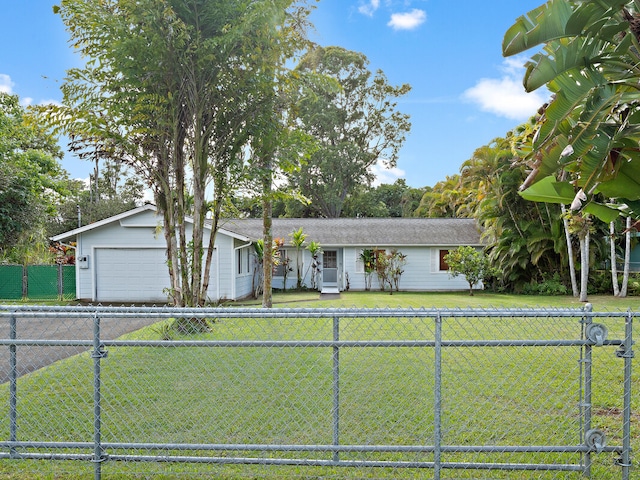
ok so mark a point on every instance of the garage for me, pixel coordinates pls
(131, 274)
(122, 260)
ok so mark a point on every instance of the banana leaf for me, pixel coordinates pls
(626, 184)
(540, 25)
(549, 190)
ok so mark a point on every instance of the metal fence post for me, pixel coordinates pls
(336, 388)
(60, 283)
(586, 401)
(98, 354)
(437, 405)
(25, 282)
(626, 352)
(13, 384)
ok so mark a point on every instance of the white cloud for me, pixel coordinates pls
(408, 20)
(386, 175)
(506, 96)
(50, 101)
(6, 85)
(369, 8)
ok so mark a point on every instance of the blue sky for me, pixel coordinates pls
(464, 93)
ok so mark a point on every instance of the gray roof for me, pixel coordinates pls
(364, 232)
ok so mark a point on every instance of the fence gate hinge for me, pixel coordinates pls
(596, 440)
(596, 333)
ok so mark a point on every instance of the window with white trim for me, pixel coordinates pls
(242, 261)
(443, 266)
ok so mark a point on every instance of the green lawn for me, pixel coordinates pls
(506, 396)
(445, 300)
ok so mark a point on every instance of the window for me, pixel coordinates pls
(330, 259)
(443, 264)
(242, 261)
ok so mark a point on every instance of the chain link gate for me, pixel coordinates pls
(320, 392)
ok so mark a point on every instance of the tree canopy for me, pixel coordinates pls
(353, 117)
(31, 178)
(173, 88)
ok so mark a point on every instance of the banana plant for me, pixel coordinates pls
(590, 61)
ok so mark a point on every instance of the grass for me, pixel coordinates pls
(444, 300)
(506, 396)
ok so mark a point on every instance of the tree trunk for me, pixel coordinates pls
(627, 259)
(614, 266)
(584, 266)
(572, 260)
(212, 242)
(267, 222)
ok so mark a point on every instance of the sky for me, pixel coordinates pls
(464, 92)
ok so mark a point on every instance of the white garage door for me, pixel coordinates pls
(131, 275)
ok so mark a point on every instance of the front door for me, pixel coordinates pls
(330, 269)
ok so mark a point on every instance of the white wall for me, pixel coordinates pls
(141, 232)
(421, 273)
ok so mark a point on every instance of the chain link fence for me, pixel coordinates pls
(316, 393)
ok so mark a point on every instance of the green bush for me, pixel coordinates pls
(600, 283)
(550, 285)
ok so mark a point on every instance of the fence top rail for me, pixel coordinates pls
(257, 312)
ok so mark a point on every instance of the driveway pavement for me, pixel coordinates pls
(32, 358)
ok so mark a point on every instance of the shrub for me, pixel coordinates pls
(550, 285)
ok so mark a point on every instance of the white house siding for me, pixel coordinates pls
(243, 280)
(292, 278)
(356, 279)
(225, 268)
(121, 248)
(111, 236)
(421, 273)
(113, 245)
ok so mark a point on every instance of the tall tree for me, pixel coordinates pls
(114, 192)
(385, 200)
(273, 138)
(169, 89)
(353, 116)
(442, 200)
(31, 178)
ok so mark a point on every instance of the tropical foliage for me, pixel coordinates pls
(474, 265)
(113, 191)
(175, 90)
(298, 239)
(31, 181)
(352, 115)
(590, 61)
